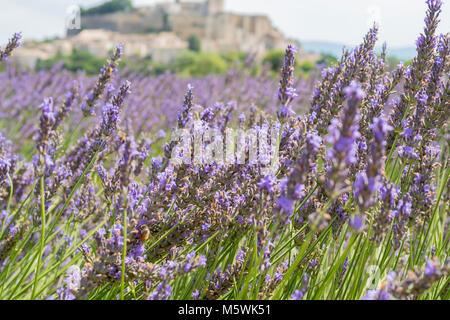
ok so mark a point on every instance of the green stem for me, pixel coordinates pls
(41, 246)
(11, 190)
(124, 251)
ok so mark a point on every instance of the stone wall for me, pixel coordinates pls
(216, 29)
(136, 21)
(215, 6)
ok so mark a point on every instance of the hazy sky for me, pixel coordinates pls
(343, 21)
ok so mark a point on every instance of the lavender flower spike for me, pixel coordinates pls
(367, 183)
(188, 103)
(106, 74)
(13, 43)
(286, 92)
(342, 135)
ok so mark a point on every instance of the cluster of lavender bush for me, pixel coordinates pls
(350, 202)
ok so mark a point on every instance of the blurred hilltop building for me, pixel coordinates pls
(217, 30)
(163, 31)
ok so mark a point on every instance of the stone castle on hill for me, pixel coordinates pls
(217, 30)
(162, 32)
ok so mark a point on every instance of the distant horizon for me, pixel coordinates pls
(322, 21)
(335, 49)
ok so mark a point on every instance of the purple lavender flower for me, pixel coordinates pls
(430, 268)
(13, 43)
(368, 183)
(376, 295)
(286, 91)
(298, 295)
(268, 183)
(110, 119)
(342, 136)
(240, 256)
(357, 223)
(286, 204)
(184, 115)
(71, 284)
(106, 74)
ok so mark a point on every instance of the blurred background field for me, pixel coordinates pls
(200, 37)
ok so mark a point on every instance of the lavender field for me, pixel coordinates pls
(331, 185)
